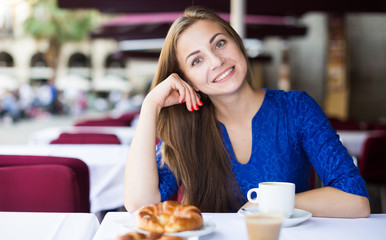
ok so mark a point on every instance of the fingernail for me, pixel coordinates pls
(182, 101)
(200, 102)
(197, 107)
(191, 109)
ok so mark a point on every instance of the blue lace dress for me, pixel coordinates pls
(289, 133)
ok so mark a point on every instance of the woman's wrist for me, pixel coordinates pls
(149, 104)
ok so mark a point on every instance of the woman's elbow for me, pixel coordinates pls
(132, 203)
(131, 206)
(363, 210)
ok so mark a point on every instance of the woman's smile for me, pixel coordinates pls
(222, 77)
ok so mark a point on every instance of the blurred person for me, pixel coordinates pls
(220, 137)
(10, 108)
(26, 98)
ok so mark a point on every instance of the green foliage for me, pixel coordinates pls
(47, 21)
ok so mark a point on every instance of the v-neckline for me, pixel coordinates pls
(230, 146)
(228, 140)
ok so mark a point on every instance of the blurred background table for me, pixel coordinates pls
(106, 166)
(353, 140)
(232, 226)
(41, 226)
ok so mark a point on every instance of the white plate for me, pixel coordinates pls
(207, 228)
(297, 217)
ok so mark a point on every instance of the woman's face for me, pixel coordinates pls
(210, 59)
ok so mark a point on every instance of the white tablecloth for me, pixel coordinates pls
(106, 166)
(232, 226)
(47, 226)
(45, 136)
(353, 141)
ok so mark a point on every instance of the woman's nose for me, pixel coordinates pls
(216, 61)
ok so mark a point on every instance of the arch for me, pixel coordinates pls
(37, 60)
(115, 60)
(79, 60)
(6, 59)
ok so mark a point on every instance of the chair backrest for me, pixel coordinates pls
(344, 124)
(43, 184)
(86, 138)
(106, 122)
(379, 126)
(124, 120)
(372, 161)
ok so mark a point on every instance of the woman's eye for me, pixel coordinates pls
(196, 61)
(220, 43)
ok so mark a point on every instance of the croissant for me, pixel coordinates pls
(168, 216)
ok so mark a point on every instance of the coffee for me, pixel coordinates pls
(264, 226)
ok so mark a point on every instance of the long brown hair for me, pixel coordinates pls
(192, 141)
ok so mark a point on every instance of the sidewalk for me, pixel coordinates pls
(19, 132)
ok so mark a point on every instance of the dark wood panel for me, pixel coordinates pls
(133, 32)
(270, 7)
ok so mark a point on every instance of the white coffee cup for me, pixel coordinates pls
(274, 197)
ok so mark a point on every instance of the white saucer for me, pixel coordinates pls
(297, 217)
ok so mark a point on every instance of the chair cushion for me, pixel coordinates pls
(24, 187)
(86, 138)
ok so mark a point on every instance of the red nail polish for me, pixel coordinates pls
(182, 101)
(200, 102)
(197, 107)
(191, 109)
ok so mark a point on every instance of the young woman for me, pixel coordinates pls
(219, 137)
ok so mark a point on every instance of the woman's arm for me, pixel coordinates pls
(331, 202)
(344, 194)
(141, 176)
(141, 173)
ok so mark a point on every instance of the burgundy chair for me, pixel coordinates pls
(372, 161)
(43, 184)
(86, 138)
(129, 116)
(344, 124)
(124, 120)
(104, 122)
(379, 126)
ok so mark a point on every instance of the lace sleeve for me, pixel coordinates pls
(329, 157)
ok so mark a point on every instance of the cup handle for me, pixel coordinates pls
(256, 190)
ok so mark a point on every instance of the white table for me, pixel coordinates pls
(353, 141)
(46, 135)
(232, 226)
(47, 226)
(106, 167)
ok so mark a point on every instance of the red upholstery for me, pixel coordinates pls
(380, 126)
(86, 138)
(313, 175)
(43, 184)
(108, 122)
(372, 161)
(124, 121)
(344, 124)
(178, 196)
(129, 116)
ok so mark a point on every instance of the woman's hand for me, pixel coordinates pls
(173, 90)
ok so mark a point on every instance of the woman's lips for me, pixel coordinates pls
(223, 75)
